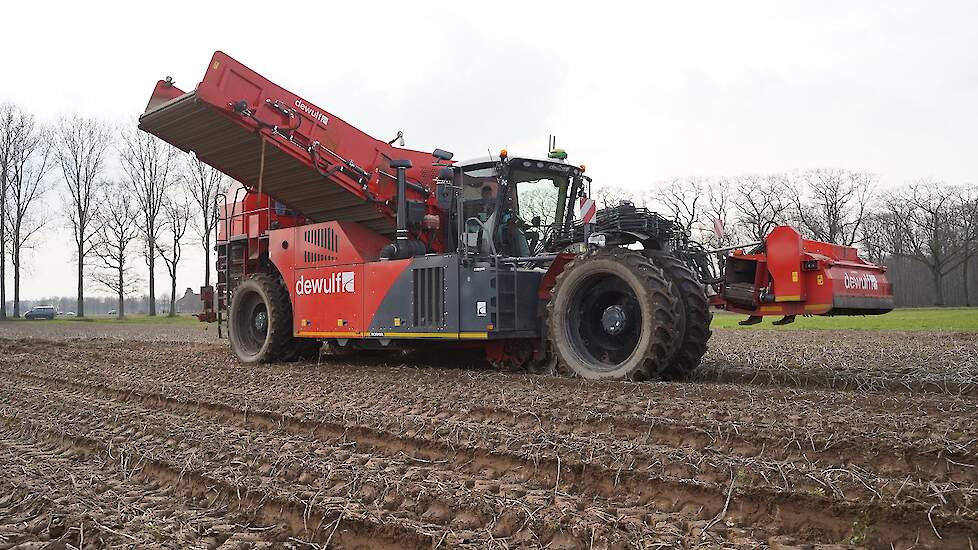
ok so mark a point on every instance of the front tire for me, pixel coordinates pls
(260, 320)
(694, 319)
(613, 315)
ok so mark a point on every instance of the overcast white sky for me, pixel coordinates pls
(636, 91)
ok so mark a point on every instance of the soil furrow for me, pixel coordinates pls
(794, 510)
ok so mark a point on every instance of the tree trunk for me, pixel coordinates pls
(173, 293)
(964, 274)
(938, 287)
(81, 281)
(15, 260)
(121, 309)
(152, 280)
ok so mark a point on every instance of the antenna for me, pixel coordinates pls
(489, 150)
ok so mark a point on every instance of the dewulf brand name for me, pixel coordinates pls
(314, 113)
(339, 282)
(866, 281)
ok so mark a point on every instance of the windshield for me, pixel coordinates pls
(536, 195)
(479, 190)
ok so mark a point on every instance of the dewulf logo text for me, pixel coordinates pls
(861, 282)
(314, 113)
(339, 282)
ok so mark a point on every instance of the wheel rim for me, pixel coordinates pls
(251, 322)
(604, 322)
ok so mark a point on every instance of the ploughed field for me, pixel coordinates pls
(159, 439)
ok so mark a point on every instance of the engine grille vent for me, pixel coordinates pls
(322, 237)
(428, 293)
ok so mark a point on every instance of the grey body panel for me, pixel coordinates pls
(438, 294)
(512, 311)
(404, 299)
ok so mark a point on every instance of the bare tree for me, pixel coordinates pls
(684, 199)
(719, 212)
(117, 230)
(205, 183)
(607, 196)
(11, 123)
(925, 229)
(80, 148)
(831, 204)
(151, 167)
(966, 199)
(29, 164)
(759, 204)
(176, 217)
(879, 236)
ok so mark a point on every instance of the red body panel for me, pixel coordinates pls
(334, 277)
(164, 91)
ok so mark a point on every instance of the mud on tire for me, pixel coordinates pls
(613, 314)
(694, 317)
(260, 320)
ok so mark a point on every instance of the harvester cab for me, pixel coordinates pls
(337, 240)
(510, 206)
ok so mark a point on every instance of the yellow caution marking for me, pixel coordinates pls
(439, 335)
(442, 335)
(312, 334)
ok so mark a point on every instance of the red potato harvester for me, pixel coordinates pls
(335, 237)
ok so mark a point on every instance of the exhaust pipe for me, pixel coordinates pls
(401, 166)
(403, 246)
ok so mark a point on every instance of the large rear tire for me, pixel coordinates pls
(260, 320)
(612, 315)
(694, 316)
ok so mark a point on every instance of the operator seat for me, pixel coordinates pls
(511, 236)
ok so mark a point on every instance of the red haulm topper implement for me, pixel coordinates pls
(339, 238)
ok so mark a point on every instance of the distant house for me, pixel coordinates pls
(190, 302)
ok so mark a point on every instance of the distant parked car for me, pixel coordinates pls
(112, 312)
(70, 314)
(41, 312)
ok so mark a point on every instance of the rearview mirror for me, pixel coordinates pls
(442, 154)
(535, 222)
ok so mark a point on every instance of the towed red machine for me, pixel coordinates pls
(340, 241)
(791, 276)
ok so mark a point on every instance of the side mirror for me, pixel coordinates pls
(442, 154)
(535, 222)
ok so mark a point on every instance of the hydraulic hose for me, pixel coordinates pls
(242, 108)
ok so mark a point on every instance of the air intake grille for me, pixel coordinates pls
(322, 237)
(428, 291)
